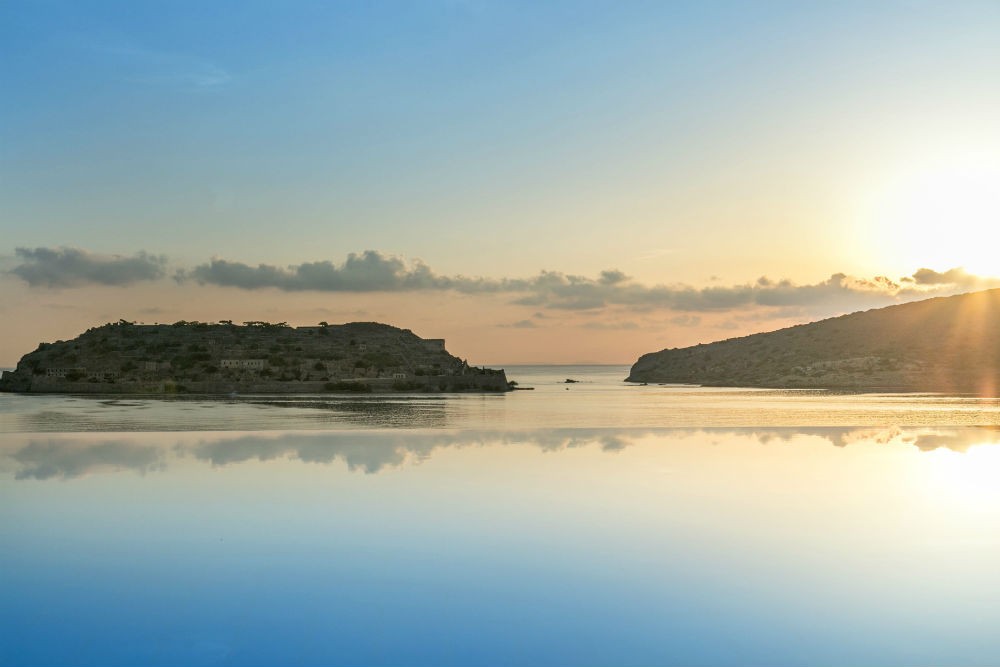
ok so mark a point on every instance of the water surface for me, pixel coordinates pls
(533, 528)
(598, 399)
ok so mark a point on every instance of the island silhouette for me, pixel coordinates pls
(945, 344)
(253, 357)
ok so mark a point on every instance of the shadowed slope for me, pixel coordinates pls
(948, 344)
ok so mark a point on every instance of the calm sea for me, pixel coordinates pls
(583, 523)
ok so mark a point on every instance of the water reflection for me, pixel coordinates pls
(722, 546)
(378, 412)
(594, 402)
(45, 459)
(40, 414)
(67, 456)
(925, 439)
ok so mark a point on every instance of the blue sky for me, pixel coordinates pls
(678, 142)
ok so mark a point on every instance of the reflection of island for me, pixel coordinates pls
(949, 344)
(373, 451)
(382, 412)
(208, 413)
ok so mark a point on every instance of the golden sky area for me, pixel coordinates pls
(535, 184)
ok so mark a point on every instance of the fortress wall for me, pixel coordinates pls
(42, 385)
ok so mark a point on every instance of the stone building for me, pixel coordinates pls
(243, 364)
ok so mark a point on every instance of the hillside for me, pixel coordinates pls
(947, 344)
(256, 357)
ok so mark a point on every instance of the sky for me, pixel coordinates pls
(555, 182)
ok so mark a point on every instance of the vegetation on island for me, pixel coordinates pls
(255, 356)
(946, 344)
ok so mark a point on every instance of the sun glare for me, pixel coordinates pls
(969, 477)
(942, 217)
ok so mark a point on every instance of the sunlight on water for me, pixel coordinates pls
(969, 478)
(584, 546)
(643, 525)
(598, 398)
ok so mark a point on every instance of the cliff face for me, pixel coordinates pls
(949, 344)
(255, 357)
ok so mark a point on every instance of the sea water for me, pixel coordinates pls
(589, 523)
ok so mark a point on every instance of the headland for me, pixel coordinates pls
(946, 344)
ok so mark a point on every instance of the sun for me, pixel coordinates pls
(942, 216)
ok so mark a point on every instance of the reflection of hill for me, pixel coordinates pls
(421, 412)
(949, 344)
(373, 451)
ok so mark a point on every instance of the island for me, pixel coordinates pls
(944, 344)
(252, 357)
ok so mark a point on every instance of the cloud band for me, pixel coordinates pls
(372, 271)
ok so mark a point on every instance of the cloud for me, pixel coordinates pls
(610, 326)
(612, 277)
(73, 267)
(521, 324)
(957, 276)
(360, 453)
(370, 271)
(48, 459)
(373, 271)
(927, 439)
(686, 320)
(371, 452)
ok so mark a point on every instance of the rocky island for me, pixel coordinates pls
(253, 357)
(946, 344)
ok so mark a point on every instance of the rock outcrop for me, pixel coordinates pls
(256, 357)
(947, 344)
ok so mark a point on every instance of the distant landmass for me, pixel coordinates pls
(947, 344)
(253, 357)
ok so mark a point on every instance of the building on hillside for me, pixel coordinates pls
(243, 364)
(63, 372)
